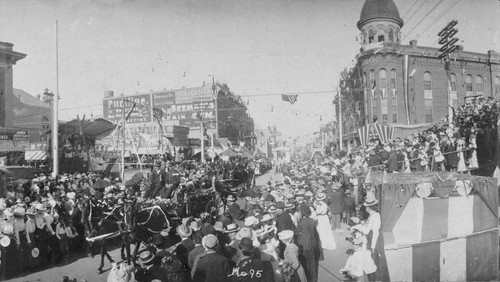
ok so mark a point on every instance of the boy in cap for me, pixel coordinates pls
(210, 266)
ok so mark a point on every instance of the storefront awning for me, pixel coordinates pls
(11, 149)
(35, 155)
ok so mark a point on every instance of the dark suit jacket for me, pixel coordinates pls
(307, 234)
(183, 250)
(212, 268)
(284, 222)
(337, 202)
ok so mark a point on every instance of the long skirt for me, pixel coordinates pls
(325, 233)
(461, 163)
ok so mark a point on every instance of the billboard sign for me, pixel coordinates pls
(113, 108)
(184, 105)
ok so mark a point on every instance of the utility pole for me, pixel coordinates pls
(448, 42)
(214, 90)
(122, 167)
(55, 117)
(202, 138)
(341, 133)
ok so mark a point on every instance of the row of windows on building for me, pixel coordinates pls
(471, 84)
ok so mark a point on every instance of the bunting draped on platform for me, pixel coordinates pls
(364, 134)
(384, 132)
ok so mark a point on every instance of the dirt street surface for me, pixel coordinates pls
(86, 268)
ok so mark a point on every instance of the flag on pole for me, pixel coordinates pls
(289, 98)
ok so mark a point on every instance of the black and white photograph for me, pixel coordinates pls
(249, 140)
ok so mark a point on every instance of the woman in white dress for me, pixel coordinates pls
(473, 164)
(324, 228)
(462, 167)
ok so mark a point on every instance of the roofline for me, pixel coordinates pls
(423, 51)
(364, 21)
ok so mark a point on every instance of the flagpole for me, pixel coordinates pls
(55, 105)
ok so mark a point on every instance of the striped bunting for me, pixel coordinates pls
(472, 258)
(35, 155)
(385, 132)
(364, 134)
(443, 239)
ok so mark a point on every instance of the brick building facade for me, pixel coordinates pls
(407, 85)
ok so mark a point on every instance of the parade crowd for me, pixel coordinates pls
(275, 232)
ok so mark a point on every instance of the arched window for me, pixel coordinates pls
(383, 79)
(497, 85)
(365, 82)
(371, 35)
(393, 79)
(427, 81)
(468, 83)
(391, 35)
(381, 35)
(479, 84)
(453, 82)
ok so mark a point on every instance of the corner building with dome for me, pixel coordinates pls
(406, 86)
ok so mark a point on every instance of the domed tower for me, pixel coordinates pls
(379, 22)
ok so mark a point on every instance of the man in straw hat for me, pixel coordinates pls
(186, 245)
(149, 271)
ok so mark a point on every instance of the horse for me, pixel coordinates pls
(148, 221)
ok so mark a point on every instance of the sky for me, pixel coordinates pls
(257, 47)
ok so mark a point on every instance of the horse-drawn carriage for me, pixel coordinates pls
(200, 198)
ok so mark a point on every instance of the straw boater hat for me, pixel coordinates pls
(272, 209)
(146, 257)
(285, 235)
(231, 228)
(121, 273)
(320, 196)
(251, 221)
(218, 226)
(369, 202)
(246, 233)
(289, 206)
(266, 217)
(230, 198)
(183, 230)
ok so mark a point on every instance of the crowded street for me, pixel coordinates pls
(83, 269)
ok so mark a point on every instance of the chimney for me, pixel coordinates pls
(413, 43)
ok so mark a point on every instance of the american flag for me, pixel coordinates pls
(289, 98)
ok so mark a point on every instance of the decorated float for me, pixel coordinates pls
(436, 226)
